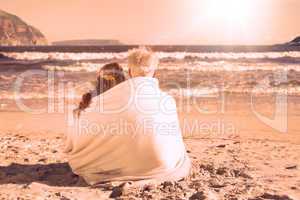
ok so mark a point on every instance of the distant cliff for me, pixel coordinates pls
(14, 31)
(295, 42)
(89, 42)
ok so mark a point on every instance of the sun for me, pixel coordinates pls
(230, 11)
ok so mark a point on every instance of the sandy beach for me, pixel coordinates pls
(246, 160)
(33, 167)
(202, 93)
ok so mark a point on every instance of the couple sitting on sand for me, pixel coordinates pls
(129, 130)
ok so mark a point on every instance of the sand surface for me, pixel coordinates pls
(34, 167)
(252, 161)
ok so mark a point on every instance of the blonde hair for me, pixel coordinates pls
(142, 61)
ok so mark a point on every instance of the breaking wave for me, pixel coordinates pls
(236, 72)
(162, 55)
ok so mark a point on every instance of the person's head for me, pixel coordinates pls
(142, 62)
(109, 76)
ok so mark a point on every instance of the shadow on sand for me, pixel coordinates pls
(56, 174)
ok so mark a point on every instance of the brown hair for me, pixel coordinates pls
(109, 76)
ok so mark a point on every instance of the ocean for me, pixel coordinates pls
(39, 73)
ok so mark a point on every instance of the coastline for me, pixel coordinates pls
(233, 116)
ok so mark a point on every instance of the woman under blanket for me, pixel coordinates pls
(129, 132)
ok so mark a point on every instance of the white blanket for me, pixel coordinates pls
(130, 132)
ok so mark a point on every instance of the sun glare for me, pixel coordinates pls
(230, 11)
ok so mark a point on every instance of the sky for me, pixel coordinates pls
(201, 22)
